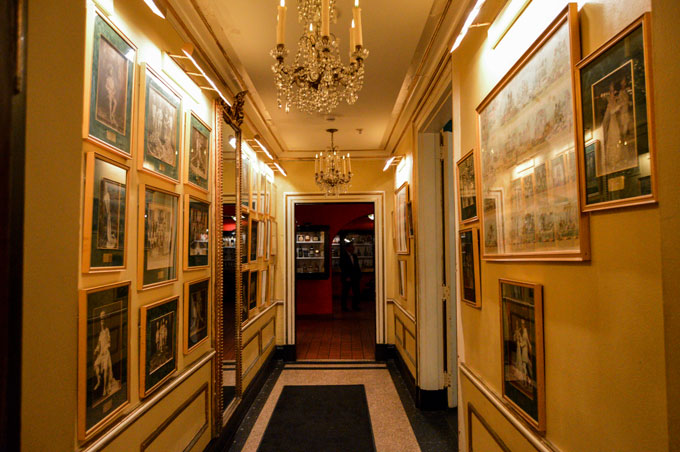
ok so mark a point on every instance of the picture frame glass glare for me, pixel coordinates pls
(160, 237)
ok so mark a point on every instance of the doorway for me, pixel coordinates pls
(335, 282)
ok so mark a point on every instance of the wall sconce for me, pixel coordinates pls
(392, 161)
(158, 7)
(467, 24)
(196, 71)
(280, 169)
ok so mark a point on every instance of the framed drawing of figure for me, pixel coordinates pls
(111, 86)
(616, 117)
(103, 356)
(467, 188)
(105, 219)
(157, 241)
(159, 140)
(522, 350)
(401, 199)
(470, 268)
(196, 233)
(157, 344)
(198, 157)
(196, 313)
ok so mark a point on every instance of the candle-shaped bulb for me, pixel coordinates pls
(311, 27)
(283, 3)
(356, 3)
(352, 40)
(325, 18)
(281, 25)
(356, 14)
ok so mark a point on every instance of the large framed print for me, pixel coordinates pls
(157, 243)
(401, 199)
(196, 233)
(402, 289)
(157, 344)
(105, 222)
(616, 119)
(198, 165)
(470, 268)
(467, 188)
(196, 309)
(527, 152)
(103, 356)
(108, 105)
(522, 350)
(253, 290)
(161, 112)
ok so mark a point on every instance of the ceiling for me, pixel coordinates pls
(395, 32)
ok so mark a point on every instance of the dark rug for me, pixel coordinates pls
(320, 418)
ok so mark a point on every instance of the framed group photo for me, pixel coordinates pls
(196, 313)
(157, 344)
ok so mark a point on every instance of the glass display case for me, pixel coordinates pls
(363, 248)
(311, 252)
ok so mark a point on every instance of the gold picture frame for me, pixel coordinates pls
(188, 230)
(466, 176)
(190, 344)
(401, 199)
(470, 267)
(402, 278)
(153, 358)
(195, 176)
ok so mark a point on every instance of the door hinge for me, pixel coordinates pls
(447, 379)
(446, 292)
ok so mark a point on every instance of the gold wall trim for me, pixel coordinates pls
(541, 444)
(261, 350)
(402, 341)
(175, 414)
(145, 406)
(403, 311)
(496, 437)
(259, 315)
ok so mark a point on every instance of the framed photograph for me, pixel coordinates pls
(161, 110)
(158, 219)
(105, 222)
(112, 85)
(245, 237)
(253, 290)
(527, 152)
(522, 350)
(157, 344)
(103, 356)
(267, 240)
(264, 286)
(470, 268)
(196, 233)
(196, 313)
(467, 188)
(616, 118)
(245, 292)
(255, 235)
(401, 199)
(403, 278)
(198, 165)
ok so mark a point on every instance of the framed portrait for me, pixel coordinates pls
(161, 110)
(245, 237)
(198, 164)
(103, 356)
(255, 235)
(403, 278)
(245, 292)
(527, 152)
(112, 86)
(253, 286)
(157, 344)
(105, 222)
(196, 233)
(467, 188)
(157, 243)
(401, 199)
(616, 117)
(522, 350)
(470, 268)
(196, 313)
(264, 286)
(267, 240)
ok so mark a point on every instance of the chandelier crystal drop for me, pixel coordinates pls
(332, 171)
(318, 81)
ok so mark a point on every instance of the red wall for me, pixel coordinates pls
(315, 297)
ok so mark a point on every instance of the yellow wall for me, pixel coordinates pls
(605, 373)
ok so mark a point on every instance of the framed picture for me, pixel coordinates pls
(245, 292)
(158, 217)
(103, 356)
(198, 165)
(264, 286)
(467, 188)
(470, 268)
(112, 85)
(252, 290)
(157, 344)
(401, 199)
(245, 179)
(522, 350)
(161, 110)
(196, 312)
(254, 238)
(196, 233)
(273, 241)
(245, 237)
(267, 240)
(272, 281)
(403, 278)
(527, 151)
(105, 222)
(616, 117)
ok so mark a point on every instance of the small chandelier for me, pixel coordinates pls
(318, 80)
(332, 171)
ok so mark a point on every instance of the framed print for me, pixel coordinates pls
(245, 293)
(527, 152)
(616, 118)
(264, 287)
(254, 238)
(252, 290)
(470, 268)
(157, 344)
(467, 188)
(401, 199)
(273, 242)
(112, 85)
(158, 218)
(245, 237)
(198, 165)
(403, 278)
(196, 233)
(161, 110)
(196, 309)
(103, 356)
(522, 350)
(267, 240)
(105, 222)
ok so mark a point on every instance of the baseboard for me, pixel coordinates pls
(426, 400)
(383, 352)
(286, 352)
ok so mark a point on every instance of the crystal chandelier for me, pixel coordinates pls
(332, 171)
(318, 80)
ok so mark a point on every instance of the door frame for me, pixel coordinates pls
(290, 200)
